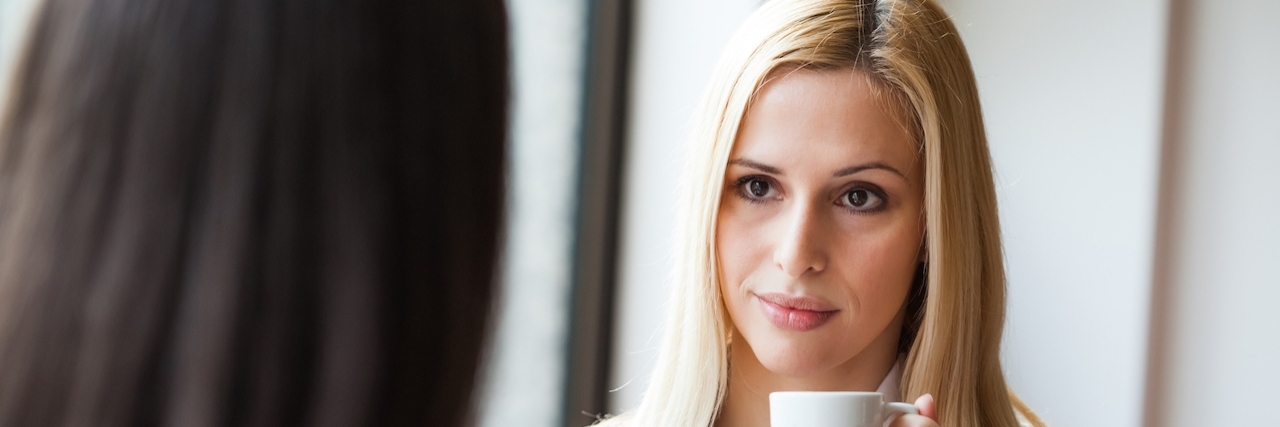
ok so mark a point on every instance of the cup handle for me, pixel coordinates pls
(899, 408)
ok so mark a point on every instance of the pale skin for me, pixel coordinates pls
(822, 201)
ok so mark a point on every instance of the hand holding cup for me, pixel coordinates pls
(927, 416)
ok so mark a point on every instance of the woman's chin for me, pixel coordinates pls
(795, 363)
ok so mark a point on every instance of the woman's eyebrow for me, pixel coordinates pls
(756, 165)
(873, 165)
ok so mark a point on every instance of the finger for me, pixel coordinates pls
(912, 420)
(925, 405)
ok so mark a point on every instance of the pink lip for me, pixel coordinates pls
(798, 314)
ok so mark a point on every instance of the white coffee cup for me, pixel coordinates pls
(832, 409)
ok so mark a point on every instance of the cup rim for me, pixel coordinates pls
(825, 393)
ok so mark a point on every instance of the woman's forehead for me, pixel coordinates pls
(811, 119)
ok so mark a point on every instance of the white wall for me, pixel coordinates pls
(1072, 95)
(1220, 362)
(14, 24)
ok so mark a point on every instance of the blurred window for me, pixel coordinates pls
(526, 377)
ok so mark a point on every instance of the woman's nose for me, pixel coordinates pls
(799, 249)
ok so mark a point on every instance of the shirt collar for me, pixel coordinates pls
(890, 387)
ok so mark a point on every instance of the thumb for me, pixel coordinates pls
(925, 405)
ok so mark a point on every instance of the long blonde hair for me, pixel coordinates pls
(912, 49)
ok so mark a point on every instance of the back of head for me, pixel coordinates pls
(250, 212)
(912, 53)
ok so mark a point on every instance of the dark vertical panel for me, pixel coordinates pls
(604, 120)
(1176, 66)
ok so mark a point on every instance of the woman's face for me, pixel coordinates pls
(821, 223)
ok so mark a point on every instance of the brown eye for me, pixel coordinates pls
(756, 189)
(862, 199)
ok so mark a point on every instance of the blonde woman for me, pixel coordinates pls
(839, 227)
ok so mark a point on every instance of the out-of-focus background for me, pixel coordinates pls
(1137, 148)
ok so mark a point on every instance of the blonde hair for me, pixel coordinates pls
(911, 48)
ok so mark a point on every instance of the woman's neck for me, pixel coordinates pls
(746, 403)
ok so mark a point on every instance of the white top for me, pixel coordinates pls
(890, 387)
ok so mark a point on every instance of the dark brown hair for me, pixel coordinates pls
(250, 212)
